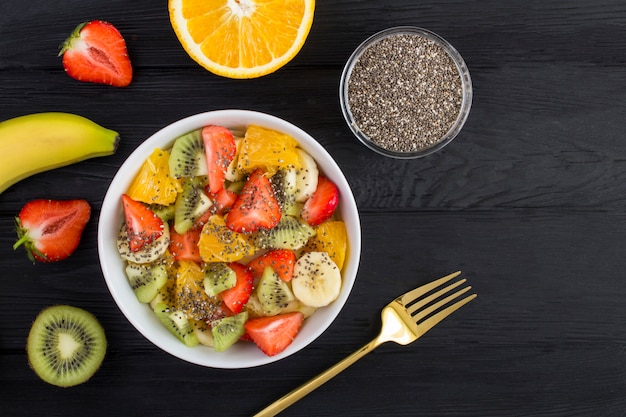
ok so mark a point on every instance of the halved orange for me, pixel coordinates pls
(242, 38)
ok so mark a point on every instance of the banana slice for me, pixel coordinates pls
(202, 331)
(306, 179)
(148, 253)
(316, 279)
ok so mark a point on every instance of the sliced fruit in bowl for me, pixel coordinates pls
(240, 256)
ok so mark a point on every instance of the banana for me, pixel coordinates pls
(316, 279)
(306, 179)
(40, 142)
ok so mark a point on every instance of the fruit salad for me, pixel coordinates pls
(233, 237)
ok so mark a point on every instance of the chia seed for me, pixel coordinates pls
(405, 93)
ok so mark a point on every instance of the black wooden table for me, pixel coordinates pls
(528, 202)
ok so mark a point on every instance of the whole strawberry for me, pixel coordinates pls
(50, 230)
(96, 52)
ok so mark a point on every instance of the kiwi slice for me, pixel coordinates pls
(190, 204)
(274, 293)
(166, 294)
(187, 157)
(218, 277)
(284, 186)
(66, 345)
(177, 323)
(289, 233)
(228, 330)
(166, 213)
(146, 280)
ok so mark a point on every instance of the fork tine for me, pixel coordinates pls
(424, 301)
(413, 294)
(429, 323)
(428, 310)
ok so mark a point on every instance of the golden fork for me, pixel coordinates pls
(404, 320)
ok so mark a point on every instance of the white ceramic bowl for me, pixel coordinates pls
(241, 355)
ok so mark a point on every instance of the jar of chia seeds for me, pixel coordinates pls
(405, 92)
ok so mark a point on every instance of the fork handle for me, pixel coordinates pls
(308, 387)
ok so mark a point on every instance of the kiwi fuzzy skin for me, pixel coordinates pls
(63, 319)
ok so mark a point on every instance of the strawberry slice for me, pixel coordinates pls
(282, 261)
(50, 230)
(223, 200)
(142, 225)
(220, 149)
(322, 204)
(96, 52)
(256, 207)
(273, 334)
(235, 298)
(184, 247)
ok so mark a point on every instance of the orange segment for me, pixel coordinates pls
(190, 295)
(220, 244)
(267, 149)
(330, 237)
(153, 184)
(242, 38)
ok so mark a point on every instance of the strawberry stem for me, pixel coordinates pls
(23, 239)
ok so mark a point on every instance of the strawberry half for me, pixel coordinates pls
(237, 297)
(96, 52)
(50, 230)
(184, 247)
(322, 204)
(282, 261)
(273, 334)
(220, 149)
(256, 207)
(142, 225)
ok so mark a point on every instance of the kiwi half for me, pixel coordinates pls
(66, 345)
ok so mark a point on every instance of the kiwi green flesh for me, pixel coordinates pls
(66, 345)
(166, 213)
(176, 322)
(284, 186)
(290, 233)
(273, 293)
(146, 280)
(228, 330)
(190, 204)
(187, 157)
(218, 277)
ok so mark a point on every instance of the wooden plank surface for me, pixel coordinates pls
(528, 201)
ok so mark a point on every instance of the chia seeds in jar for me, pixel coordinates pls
(405, 92)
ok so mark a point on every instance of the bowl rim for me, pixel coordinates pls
(141, 316)
(459, 62)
